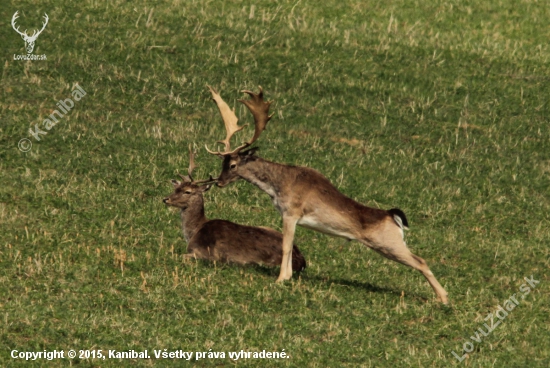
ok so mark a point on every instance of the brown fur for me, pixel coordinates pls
(305, 197)
(225, 241)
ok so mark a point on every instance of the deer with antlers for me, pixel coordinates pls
(29, 40)
(305, 197)
(221, 240)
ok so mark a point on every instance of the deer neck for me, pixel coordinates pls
(265, 175)
(192, 219)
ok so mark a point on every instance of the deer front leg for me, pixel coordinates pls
(289, 227)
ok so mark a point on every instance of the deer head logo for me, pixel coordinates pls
(29, 40)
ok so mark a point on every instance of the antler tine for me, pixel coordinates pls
(36, 32)
(210, 180)
(229, 119)
(218, 153)
(15, 16)
(260, 110)
(192, 165)
(186, 180)
(43, 24)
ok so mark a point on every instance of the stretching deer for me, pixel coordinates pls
(220, 240)
(305, 197)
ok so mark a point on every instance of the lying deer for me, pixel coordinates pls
(305, 197)
(221, 240)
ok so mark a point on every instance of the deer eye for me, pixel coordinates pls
(187, 192)
(232, 166)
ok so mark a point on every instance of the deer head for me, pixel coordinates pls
(29, 40)
(234, 160)
(188, 193)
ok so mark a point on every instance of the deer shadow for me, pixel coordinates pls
(320, 279)
(363, 286)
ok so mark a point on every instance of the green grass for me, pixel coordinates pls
(439, 108)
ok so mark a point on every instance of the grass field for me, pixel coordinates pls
(440, 108)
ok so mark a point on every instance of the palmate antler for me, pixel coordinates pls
(259, 109)
(192, 166)
(229, 119)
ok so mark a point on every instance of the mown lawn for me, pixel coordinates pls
(440, 108)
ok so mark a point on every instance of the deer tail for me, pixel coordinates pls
(399, 218)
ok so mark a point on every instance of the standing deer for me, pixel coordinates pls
(305, 197)
(221, 240)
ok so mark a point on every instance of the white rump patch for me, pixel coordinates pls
(399, 222)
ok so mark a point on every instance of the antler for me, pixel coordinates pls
(229, 119)
(259, 109)
(35, 34)
(192, 166)
(209, 180)
(15, 16)
(191, 163)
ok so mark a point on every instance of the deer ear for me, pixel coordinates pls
(249, 153)
(175, 183)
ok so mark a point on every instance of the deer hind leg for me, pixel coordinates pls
(289, 228)
(391, 245)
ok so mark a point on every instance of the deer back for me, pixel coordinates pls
(225, 241)
(300, 191)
